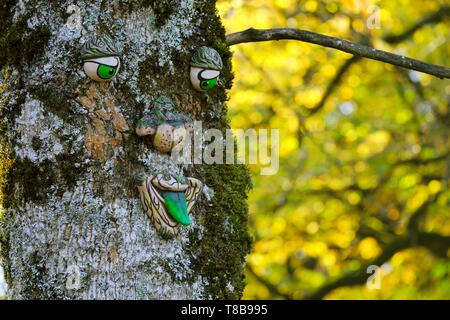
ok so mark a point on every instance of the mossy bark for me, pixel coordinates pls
(70, 199)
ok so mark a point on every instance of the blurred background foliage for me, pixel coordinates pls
(364, 150)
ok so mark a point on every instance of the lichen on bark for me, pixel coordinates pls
(70, 198)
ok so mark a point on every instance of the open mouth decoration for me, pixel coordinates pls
(167, 200)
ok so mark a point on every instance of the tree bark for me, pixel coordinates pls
(71, 205)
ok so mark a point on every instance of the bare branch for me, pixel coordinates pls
(257, 35)
(434, 242)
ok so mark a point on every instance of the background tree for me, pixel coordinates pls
(69, 155)
(364, 166)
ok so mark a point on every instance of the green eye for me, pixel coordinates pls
(106, 72)
(208, 84)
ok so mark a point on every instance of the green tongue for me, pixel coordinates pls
(176, 205)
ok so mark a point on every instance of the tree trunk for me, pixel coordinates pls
(71, 205)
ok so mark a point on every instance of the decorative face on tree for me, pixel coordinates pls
(101, 60)
(206, 65)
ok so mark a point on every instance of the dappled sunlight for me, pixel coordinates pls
(363, 151)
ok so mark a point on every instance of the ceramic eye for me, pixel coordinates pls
(206, 65)
(204, 79)
(101, 59)
(102, 69)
